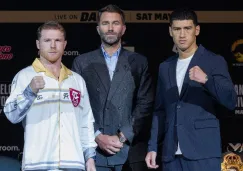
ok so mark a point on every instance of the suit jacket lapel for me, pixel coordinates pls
(122, 67)
(101, 69)
(172, 74)
(194, 62)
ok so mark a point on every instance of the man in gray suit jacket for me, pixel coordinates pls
(121, 95)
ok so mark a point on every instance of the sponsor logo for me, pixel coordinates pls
(88, 16)
(9, 148)
(5, 53)
(232, 162)
(235, 147)
(239, 104)
(71, 53)
(75, 96)
(5, 89)
(237, 51)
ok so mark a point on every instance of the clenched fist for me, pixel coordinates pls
(197, 74)
(37, 83)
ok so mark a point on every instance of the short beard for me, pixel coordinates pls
(109, 41)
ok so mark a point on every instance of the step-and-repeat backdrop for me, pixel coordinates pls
(147, 33)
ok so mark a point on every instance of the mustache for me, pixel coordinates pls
(110, 33)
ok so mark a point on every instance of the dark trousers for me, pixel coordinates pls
(182, 164)
(138, 166)
(60, 169)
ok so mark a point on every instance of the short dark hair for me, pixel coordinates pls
(184, 14)
(111, 8)
(49, 25)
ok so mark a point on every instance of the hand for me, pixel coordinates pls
(196, 74)
(121, 135)
(109, 144)
(37, 83)
(151, 160)
(90, 165)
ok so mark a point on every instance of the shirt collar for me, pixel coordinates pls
(39, 67)
(106, 55)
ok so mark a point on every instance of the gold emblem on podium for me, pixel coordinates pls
(232, 162)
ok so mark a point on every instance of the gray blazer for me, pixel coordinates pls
(124, 104)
